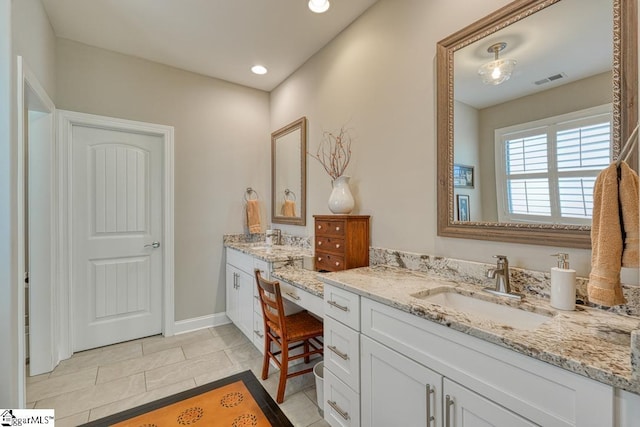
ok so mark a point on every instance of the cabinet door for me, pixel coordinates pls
(232, 293)
(246, 283)
(397, 391)
(464, 408)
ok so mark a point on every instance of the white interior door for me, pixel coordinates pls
(117, 229)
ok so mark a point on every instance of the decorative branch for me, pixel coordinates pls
(334, 152)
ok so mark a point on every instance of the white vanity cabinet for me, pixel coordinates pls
(464, 408)
(416, 372)
(485, 381)
(243, 308)
(341, 357)
(396, 391)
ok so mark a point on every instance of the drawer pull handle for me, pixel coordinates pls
(337, 263)
(294, 296)
(319, 227)
(319, 259)
(258, 333)
(320, 243)
(337, 228)
(447, 416)
(430, 417)
(337, 245)
(343, 356)
(338, 306)
(335, 406)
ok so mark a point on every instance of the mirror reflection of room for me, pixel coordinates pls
(288, 173)
(538, 138)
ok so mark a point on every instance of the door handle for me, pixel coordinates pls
(154, 245)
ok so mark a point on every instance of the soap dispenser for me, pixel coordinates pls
(563, 284)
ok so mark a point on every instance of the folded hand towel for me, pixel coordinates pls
(253, 216)
(630, 220)
(289, 208)
(606, 241)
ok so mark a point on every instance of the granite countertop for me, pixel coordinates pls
(307, 280)
(274, 253)
(589, 342)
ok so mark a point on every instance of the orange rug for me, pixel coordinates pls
(236, 401)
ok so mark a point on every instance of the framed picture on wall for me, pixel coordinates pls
(463, 207)
(462, 176)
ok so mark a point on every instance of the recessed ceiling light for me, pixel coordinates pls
(259, 69)
(319, 6)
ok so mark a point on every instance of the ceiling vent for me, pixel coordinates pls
(550, 79)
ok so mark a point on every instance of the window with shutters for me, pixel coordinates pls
(545, 170)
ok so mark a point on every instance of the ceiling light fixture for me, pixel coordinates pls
(259, 69)
(499, 70)
(319, 6)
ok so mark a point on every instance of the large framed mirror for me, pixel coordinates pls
(517, 157)
(289, 174)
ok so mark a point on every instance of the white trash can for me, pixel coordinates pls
(318, 372)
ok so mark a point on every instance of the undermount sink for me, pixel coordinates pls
(487, 310)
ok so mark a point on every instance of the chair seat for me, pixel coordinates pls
(299, 326)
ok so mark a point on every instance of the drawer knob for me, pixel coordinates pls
(319, 259)
(319, 227)
(320, 243)
(337, 228)
(337, 263)
(337, 245)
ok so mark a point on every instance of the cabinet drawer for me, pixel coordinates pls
(329, 244)
(329, 262)
(240, 260)
(258, 331)
(341, 404)
(342, 305)
(342, 352)
(312, 303)
(263, 266)
(330, 228)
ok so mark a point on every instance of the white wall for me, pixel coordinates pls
(24, 30)
(35, 41)
(8, 267)
(379, 74)
(467, 152)
(222, 146)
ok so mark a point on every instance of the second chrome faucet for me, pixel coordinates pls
(501, 274)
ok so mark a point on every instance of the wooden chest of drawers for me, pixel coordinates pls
(342, 242)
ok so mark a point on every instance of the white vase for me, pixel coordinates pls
(341, 200)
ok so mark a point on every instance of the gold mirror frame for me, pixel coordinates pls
(301, 198)
(625, 113)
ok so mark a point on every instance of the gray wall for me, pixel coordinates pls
(222, 146)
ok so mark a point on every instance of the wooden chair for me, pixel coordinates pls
(287, 332)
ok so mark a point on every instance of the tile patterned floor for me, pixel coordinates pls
(96, 383)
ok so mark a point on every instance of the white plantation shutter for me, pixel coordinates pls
(546, 170)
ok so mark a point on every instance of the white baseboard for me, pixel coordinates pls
(202, 322)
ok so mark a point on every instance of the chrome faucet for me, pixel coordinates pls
(276, 235)
(501, 274)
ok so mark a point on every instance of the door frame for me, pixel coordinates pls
(33, 97)
(27, 81)
(66, 121)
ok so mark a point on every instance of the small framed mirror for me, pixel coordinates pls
(289, 174)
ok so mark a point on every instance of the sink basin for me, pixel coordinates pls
(486, 310)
